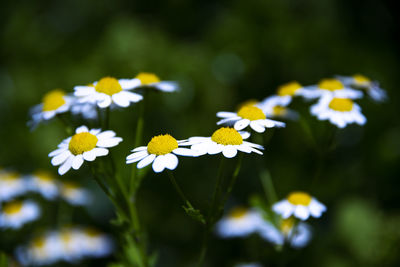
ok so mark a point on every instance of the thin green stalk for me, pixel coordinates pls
(178, 189)
(107, 118)
(268, 186)
(134, 183)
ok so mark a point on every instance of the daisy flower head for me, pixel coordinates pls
(300, 205)
(53, 103)
(75, 194)
(287, 91)
(150, 80)
(84, 145)
(11, 185)
(239, 222)
(331, 87)
(226, 140)
(108, 91)
(297, 235)
(16, 213)
(161, 151)
(248, 115)
(339, 111)
(362, 82)
(276, 107)
(44, 183)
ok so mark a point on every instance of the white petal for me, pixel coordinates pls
(225, 114)
(214, 148)
(131, 96)
(89, 155)
(106, 134)
(240, 125)
(146, 161)
(109, 142)
(104, 102)
(82, 129)
(83, 90)
(77, 162)
(229, 151)
(129, 83)
(185, 152)
(160, 163)
(66, 165)
(301, 212)
(138, 154)
(57, 151)
(120, 100)
(256, 126)
(60, 158)
(167, 86)
(140, 148)
(99, 151)
(170, 161)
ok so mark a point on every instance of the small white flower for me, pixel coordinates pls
(150, 80)
(44, 183)
(276, 107)
(108, 91)
(360, 81)
(299, 204)
(297, 235)
(331, 87)
(53, 103)
(11, 185)
(84, 145)
(248, 115)
(74, 194)
(161, 151)
(239, 222)
(226, 140)
(96, 244)
(17, 213)
(339, 111)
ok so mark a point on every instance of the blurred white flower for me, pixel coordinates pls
(276, 107)
(11, 185)
(84, 145)
(74, 194)
(86, 110)
(300, 205)
(17, 213)
(44, 183)
(333, 88)
(150, 80)
(371, 87)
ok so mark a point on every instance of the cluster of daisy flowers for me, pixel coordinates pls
(290, 229)
(335, 99)
(70, 244)
(16, 210)
(104, 93)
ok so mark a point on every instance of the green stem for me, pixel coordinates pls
(134, 184)
(268, 186)
(178, 189)
(107, 118)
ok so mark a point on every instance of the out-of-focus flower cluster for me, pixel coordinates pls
(69, 244)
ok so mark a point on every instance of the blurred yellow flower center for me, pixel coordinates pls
(288, 89)
(238, 213)
(147, 78)
(251, 112)
(227, 136)
(82, 142)
(108, 86)
(53, 100)
(330, 84)
(12, 207)
(44, 176)
(279, 111)
(39, 242)
(91, 232)
(250, 102)
(66, 237)
(299, 198)
(9, 177)
(287, 225)
(162, 144)
(68, 188)
(341, 104)
(361, 79)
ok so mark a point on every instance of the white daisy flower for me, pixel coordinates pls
(287, 91)
(53, 103)
(11, 185)
(74, 194)
(84, 145)
(239, 222)
(44, 183)
(161, 151)
(331, 87)
(86, 110)
(248, 115)
(297, 235)
(360, 81)
(96, 244)
(17, 213)
(41, 250)
(339, 111)
(299, 204)
(226, 140)
(276, 107)
(108, 91)
(150, 80)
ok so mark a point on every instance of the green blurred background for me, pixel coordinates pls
(222, 53)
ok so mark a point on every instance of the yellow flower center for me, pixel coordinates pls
(39, 242)
(250, 102)
(227, 136)
(162, 144)
(53, 100)
(12, 207)
(44, 176)
(251, 112)
(361, 79)
(147, 78)
(238, 212)
(9, 177)
(279, 111)
(82, 142)
(288, 89)
(299, 198)
(341, 104)
(108, 86)
(330, 84)
(287, 225)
